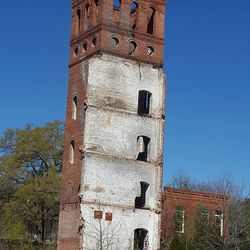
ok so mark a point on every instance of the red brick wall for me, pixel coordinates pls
(189, 200)
(105, 22)
(71, 173)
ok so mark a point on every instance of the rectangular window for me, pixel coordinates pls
(144, 102)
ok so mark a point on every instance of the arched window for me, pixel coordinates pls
(179, 219)
(87, 18)
(72, 152)
(144, 102)
(116, 4)
(133, 15)
(74, 108)
(133, 7)
(96, 8)
(219, 222)
(78, 14)
(96, 3)
(151, 20)
(140, 239)
(143, 145)
(140, 201)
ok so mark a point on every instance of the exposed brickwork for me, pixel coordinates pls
(70, 184)
(189, 200)
(103, 22)
(98, 28)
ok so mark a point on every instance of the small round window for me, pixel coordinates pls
(114, 42)
(150, 51)
(132, 47)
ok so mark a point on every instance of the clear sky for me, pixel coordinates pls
(207, 62)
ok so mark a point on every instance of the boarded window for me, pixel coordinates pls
(98, 215)
(141, 200)
(144, 99)
(108, 216)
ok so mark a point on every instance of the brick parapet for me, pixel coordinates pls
(121, 31)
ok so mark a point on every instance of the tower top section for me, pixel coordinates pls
(131, 29)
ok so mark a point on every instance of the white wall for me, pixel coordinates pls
(111, 175)
(120, 231)
(116, 133)
(114, 82)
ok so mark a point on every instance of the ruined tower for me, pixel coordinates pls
(112, 167)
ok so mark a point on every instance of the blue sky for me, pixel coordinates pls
(207, 62)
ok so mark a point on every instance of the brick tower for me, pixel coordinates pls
(112, 167)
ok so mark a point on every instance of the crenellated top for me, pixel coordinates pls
(129, 28)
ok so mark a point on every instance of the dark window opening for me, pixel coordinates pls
(78, 13)
(141, 200)
(151, 19)
(143, 143)
(96, 3)
(144, 102)
(132, 48)
(134, 26)
(140, 239)
(85, 46)
(94, 41)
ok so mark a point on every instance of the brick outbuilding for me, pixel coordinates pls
(185, 203)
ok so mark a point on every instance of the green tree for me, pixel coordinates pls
(30, 165)
(34, 206)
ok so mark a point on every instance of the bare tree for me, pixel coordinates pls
(105, 235)
(236, 228)
(181, 181)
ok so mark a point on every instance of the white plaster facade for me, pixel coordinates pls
(111, 175)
